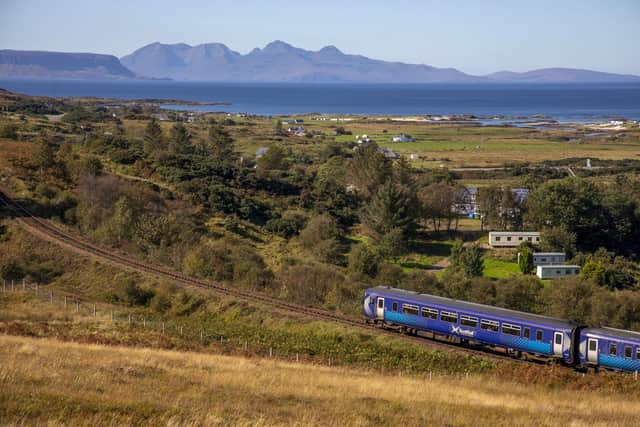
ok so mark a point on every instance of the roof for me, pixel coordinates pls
(558, 266)
(613, 332)
(513, 233)
(462, 305)
(548, 253)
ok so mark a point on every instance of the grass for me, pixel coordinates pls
(499, 269)
(54, 383)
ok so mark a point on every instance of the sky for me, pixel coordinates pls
(474, 36)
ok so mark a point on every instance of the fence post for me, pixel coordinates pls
(246, 345)
(4, 285)
(36, 288)
(12, 285)
(144, 322)
(221, 339)
(270, 352)
(129, 319)
(24, 285)
(180, 330)
(51, 296)
(94, 311)
(162, 328)
(297, 357)
(201, 336)
(65, 301)
(77, 306)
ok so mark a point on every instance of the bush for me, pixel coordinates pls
(288, 225)
(9, 131)
(364, 261)
(321, 235)
(393, 243)
(135, 295)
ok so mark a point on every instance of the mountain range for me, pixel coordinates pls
(276, 62)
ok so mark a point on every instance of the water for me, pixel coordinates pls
(561, 102)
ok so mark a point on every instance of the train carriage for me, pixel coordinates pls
(523, 332)
(610, 348)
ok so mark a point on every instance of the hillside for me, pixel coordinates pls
(278, 61)
(562, 75)
(101, 385)
(59, 65)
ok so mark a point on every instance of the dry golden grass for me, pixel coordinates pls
(48, 382)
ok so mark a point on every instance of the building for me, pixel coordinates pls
(297, 130)
(510, 239)
(468, 205)
(402, 138)
(389, 153)
(261, 152)
(292, 122)
(557, 271)
(548, 258)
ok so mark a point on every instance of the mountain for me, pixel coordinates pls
(278, 61)
(59, 65)
(562, 75)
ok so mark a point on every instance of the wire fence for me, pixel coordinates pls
(86, 309)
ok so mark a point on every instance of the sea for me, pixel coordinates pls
(578, 102)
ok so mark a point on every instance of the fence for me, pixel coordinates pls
(88, 310)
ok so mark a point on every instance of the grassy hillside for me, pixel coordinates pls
(48, 382)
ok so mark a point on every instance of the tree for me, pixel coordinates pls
(219, 144)
(278, 129)
(179, 139)
(456, 253)
(572, 204)
(153, 138)
(438, 202)
(321, 235)
(471, 261)
(273, 159)
(558, 239)
(391, 207)
(393, 243)
(525, 260)
(45, 152)
(370, 169)
(364, 261)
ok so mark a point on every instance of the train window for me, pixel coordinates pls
(593, 345)
(510, 329)
(410, 309)
(527, 333)
(394, 306)
(489, 325)
(558, 338)
(469, 321)
(380, 303)
(638, 353)
(431, 313)
(447, 316)
(627, 352)
(613, 350)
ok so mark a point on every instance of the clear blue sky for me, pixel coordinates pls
(474, 36)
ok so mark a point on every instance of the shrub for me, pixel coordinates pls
(364, 261)
(393, 243)
(288, 225)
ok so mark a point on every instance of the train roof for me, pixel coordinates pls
(498, 311)
(613, 332)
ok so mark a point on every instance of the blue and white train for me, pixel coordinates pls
(524, 334)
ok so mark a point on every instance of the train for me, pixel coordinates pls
(525, 335)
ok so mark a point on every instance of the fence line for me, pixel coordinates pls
(96, 312)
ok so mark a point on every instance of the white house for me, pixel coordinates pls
(402, 138)
(556, 271)
(548, 258)
(509, 239)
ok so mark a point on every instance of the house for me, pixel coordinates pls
(553, 271)
(520, 194)
(297, 130)
(468, 205)
(402, 138)
(261, 152)
(548, 258)
(511, 239)
(389, 153)
(363, 139)
(292, 122)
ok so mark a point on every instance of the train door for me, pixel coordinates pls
(592, 350)
(380, 308)
(557, 343)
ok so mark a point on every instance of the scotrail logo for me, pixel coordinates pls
(458, 330)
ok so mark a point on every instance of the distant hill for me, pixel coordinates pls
(278, 61)
(59, 65)
(566, 75)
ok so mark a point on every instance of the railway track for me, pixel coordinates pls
(53, 233)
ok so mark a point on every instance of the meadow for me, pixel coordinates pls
(49, 382)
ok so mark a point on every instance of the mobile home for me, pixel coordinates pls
(510, 239)
(548, 258)
(557, 271)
